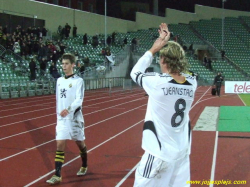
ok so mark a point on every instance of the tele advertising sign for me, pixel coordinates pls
(237, 87)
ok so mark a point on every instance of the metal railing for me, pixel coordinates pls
(15, 89)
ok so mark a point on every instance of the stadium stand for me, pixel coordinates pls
(235, 65)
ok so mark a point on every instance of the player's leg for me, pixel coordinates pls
(181, 173)
(59, 160)
(61, 135)
(77, 134)
(153, 171)
(84, 156)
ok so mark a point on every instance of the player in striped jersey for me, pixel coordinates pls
(70, 122)
(166, 132)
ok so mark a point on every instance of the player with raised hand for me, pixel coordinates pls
(166, 131)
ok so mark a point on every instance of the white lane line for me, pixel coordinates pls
(126, 176)
(47, 115)
(28, 103)
(24, 132)
(26, 112)
(55, 107)
(199, 99)
(8, 157)
(36, 98)
(242, 100)
(214, 159)
(65, 164)
(85, 128)
(55, 123)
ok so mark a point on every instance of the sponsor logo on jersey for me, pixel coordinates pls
(70, 85)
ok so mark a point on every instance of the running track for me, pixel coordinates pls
(113, 129)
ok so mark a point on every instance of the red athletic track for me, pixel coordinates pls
(113, 129)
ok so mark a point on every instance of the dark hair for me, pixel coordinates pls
(70, 57)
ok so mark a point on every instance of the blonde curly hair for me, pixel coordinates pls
(174, 56)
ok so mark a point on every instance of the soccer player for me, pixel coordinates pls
(166, 130)
(70, 122)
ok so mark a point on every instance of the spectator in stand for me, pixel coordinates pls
(3, 42)
(43, 65)
(103, 52)
(113, 38)
(17, 48)
(134, 44)
(55, 57)
(53, 71)
(120, 42)
(35, 46)
(205, 60)
(77, 60)
(95, 41)
(82, 69)
(74, 31)
(209, 64)
(67, 30)
(108, 53)
(125, 41)
(63, 33)
(62, 48)
(59, 30)
(24, 50)
(85, 39)
(1, 34)
(109, 40)
(86, 61)
(32, 66)
(41, 52)
(44, 32)
(5, 30)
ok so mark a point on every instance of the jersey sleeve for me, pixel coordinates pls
(78, 96)
(145, 80)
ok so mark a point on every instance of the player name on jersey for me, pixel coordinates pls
(178, 91)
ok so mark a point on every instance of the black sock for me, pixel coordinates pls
(59, 160)
(84, 156)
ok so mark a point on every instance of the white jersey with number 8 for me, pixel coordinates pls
(166, 132)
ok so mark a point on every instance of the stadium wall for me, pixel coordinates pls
(91, 23)
(54, 16)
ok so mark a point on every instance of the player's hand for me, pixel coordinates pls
(164, 33)
(162, 40)
(64, 113)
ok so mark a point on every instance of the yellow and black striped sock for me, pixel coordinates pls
(59, 160)
(84, 156)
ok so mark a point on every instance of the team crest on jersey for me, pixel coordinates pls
(63, 93)
(70, 85)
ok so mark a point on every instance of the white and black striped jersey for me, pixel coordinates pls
(166, 132)
(69, 95)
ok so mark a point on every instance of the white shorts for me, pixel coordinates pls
(69, 130)
(154, 172)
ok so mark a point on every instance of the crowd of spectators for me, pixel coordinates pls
(32, 43)
(64, 32)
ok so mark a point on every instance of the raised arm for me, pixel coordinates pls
(145, 61)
